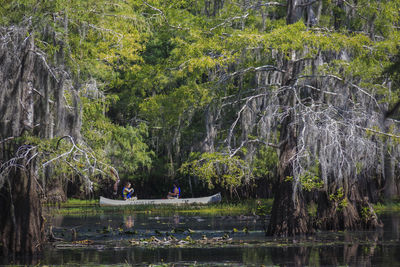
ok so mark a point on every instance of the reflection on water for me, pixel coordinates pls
(176, 219)
(129, 221)
(330, 255)
(111, 235)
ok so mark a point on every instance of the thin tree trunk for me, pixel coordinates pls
(390, 191)
(390, 183)
(190, 185)
(319, 11)
(291, 12)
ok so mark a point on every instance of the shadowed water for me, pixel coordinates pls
(110, 239)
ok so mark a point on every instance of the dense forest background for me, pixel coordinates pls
(296, 100)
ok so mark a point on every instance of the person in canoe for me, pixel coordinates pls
(176, 191)
(127, 192)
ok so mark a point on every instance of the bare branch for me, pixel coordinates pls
(7, 139)
(345, 82)
(308, 3)
(249, 69)
(320, 90)
(42, 56)
(73, 147)
(229, 20)
(161, 13)
(266, 4)
(245, 142)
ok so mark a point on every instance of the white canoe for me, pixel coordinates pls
(199, 200)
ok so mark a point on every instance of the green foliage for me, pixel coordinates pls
(128, 149)
(310, 181)
(289, 179)
(366, 213)
(265, 162)
(387, 207)
(181, 65)
(166, 63)
(312, 209)
(339, 199)
(264, 207)
(124, 147)
(96, 35)
(96, 41)
(65, 158)
(218, 169)
(337, 196)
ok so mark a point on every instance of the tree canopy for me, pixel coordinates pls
(223, 95)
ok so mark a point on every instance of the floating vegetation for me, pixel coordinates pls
(83, 242)
(172, 241)
(226, 240)
(204, 240)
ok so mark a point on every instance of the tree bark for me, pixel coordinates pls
(354, 213)
(289, 214)
(390, 188)
(291, 12)
(337, 14)
(21, 223)
(31, 99)
(347, 210)
(390, 191)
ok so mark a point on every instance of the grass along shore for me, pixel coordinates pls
(81, 207)
(250, 206)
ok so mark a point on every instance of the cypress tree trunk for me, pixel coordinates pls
(289, 214)
(341, 203)
(31, 101)
(288, 210)
(352, 212)
(21, 222)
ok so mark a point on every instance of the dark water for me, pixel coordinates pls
(110, 236)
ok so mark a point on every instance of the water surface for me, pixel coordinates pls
(111, 235)
(119, 239)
